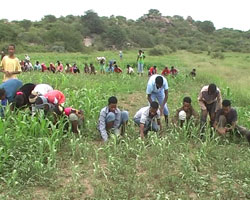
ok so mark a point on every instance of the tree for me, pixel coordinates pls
(26, 24)
(93, 22)
(206, 26)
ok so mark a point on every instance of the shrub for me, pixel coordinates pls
(217, 55)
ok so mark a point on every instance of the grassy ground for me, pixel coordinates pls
(41, 163)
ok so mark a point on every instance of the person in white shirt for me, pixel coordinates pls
(157, 89)
(146, 118)
(130, 70)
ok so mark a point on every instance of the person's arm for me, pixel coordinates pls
(149, 98)
(142, 130)
(74, 126)
(159, 123)
(232, 127)
(102, 127)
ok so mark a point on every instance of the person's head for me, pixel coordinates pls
(37, 62)
(226, 106)
(166, 67)
(212, 89)
(172, 67)
(11, 49)
(2, 94)
(128, 66)
(159, 81)
(19, 100)
(112, 103)
(194, 70)
(186, 103)
(58, 62)
(154, 106)
(114, 63)
(67, 64)
(140, 51)
(155, 67)
(91, 64)
(116, 66)
(42, 103)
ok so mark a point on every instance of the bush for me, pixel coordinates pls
(217, 55)
(159, 51)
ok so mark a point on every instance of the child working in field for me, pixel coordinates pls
(75, 117)
(10, 65)
(92, 69)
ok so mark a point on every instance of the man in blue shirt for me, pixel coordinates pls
(157, 89)
(112, 118)
(8, 91)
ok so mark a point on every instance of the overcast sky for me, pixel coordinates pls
(223, 13)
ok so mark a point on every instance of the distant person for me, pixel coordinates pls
(157, 89)
(112, 119)
(44, 67)
(75, 117)
(86, 68)
(10, 65)
(68, 68)
(185, 113)
(193, 73)
(130, 70)
(148, 119)
(152, 70)
(75, 68)
(117, 69)
(110, 68)
(27, 58)
(59, 66)
(210, 101)
(102, 66)
(120, 55)
(140, 60)
(173, 71)
(92, 69)
(29, 66)
(37, 66)
(52, 68)
(8, 91)
(165, 71)
(226, 121)
(22, 95)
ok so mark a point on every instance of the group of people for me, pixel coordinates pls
(42, 97)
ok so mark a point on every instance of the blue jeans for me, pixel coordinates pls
(3, 105)
(111, 117)
(160, 97)
(140, 67)
(150, 125)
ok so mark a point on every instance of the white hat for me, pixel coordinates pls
(182, 115)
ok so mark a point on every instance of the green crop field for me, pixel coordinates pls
(39, 161)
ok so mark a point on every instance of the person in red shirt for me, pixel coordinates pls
(55, 97)
(173, 71)
(59, 67)
(44, 68)
(117, 69)
(165, 71)
(152, 71)
(52, 67)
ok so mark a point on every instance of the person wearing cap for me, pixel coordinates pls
(21, 98)
(226, 121)
(8, 91)
(157, 89)
(185, 113)
(55, 97)
(146, 119)
(112, 118)
(210, 101)
(75, 117)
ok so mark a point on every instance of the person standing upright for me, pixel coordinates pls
(140, 61)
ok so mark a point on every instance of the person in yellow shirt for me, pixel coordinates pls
(10, 65)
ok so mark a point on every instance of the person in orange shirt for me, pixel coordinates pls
(117, 69)
(10, 65)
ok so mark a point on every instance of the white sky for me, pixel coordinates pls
(223, 13)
